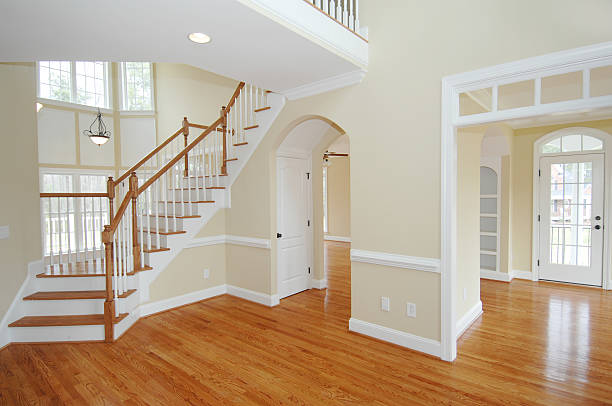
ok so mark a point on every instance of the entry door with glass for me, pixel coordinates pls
(571, 218)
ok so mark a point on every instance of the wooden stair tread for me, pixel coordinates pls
(163, 232)
(262, 109)
(216, 187)
(155, 249)
(176, 217)
(196, 201)
(74, 295)
(50, 274)
(252, 127)
(73, 320)
(230, 160)
(240, 144)
(207, 176)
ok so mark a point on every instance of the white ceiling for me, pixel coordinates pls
(305, 136)
(245, 45)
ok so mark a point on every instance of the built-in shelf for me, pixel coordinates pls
(488, 196)
(491, 215)
(488, 252)
(488, 234)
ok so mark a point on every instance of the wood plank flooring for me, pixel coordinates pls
(536, 344)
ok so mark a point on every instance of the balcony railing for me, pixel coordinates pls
(345, 12)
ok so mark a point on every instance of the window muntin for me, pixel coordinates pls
(137, 86)
(572, 143)
(84, 83)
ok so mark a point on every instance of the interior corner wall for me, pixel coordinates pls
(339, 197)
(468, 221)
(20, 203)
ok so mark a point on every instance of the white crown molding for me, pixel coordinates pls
(229, 239)
(396, 260)
(417, 343)
(318, 283)
(148, 309)
(325, 85)
(252, 296)
(468, 319)
(336, 238)
(495, 276)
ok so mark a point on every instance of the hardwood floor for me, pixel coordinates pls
(540, 344)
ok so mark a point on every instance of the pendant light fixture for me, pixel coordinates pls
(97, 133)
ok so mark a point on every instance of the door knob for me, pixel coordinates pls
(597, 218)
(278, 235)
(598, 227)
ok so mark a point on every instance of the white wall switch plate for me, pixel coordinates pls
(206, 273)
(410, 310)
(4, 232)
(385, 304)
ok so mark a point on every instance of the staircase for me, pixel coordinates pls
(155, 209)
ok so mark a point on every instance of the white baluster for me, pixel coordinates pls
(325, 6)
(356, 15)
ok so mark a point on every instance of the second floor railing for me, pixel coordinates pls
(346, 12)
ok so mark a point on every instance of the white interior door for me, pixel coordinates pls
(293, 198)
(571, 222)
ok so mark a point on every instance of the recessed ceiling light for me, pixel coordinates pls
(199, 38)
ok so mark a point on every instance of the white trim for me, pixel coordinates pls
(336, 238)
(522, 275)
(494, 275)
(325, 85)
(411, 341)
(396, 260)
(229, 239)
(252, 296)
(318, 284)
(294, 153)
(468, 319)
(148, 309)
(452, 86)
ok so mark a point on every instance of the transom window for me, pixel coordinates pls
(574, 142)
(83, 83)
(137, 86)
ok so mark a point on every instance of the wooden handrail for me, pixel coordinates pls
(120, 212)
(232, 101)
(180, 155)
(149, 155)
(200, 126)
(74, 195)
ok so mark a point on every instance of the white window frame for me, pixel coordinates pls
(123, 88)
(108, 99)
(75, 174)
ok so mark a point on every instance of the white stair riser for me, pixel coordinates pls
(63, 307)
(75, 283)
(193, 182)
(179, 209)
(161, 223)
(189, 195)
(154, 241)
(56, 333)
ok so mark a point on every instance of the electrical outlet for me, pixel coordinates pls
(410, 310)
(206, 273)
(464, 293)
(385, 304)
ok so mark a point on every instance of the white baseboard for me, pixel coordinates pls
(193, 297)
(336, 238)
(468, 319)
(319, 283)
(251, 295)
(496, 276)
(417, 343)
(522, 275)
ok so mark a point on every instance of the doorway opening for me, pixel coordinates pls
(303, 162)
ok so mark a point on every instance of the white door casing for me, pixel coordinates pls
(571, 218)
(293, 216)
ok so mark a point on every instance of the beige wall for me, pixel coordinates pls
(468, 221)
(522, 186)
(19, 206)
(339, 197)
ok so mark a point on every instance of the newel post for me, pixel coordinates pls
(110, 190)
(135, 243)
(186, 134)
(224, 126)
(109, 302)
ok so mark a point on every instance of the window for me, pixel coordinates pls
(83, 83)
(72, 227)
(572, 143)
(137, 86)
